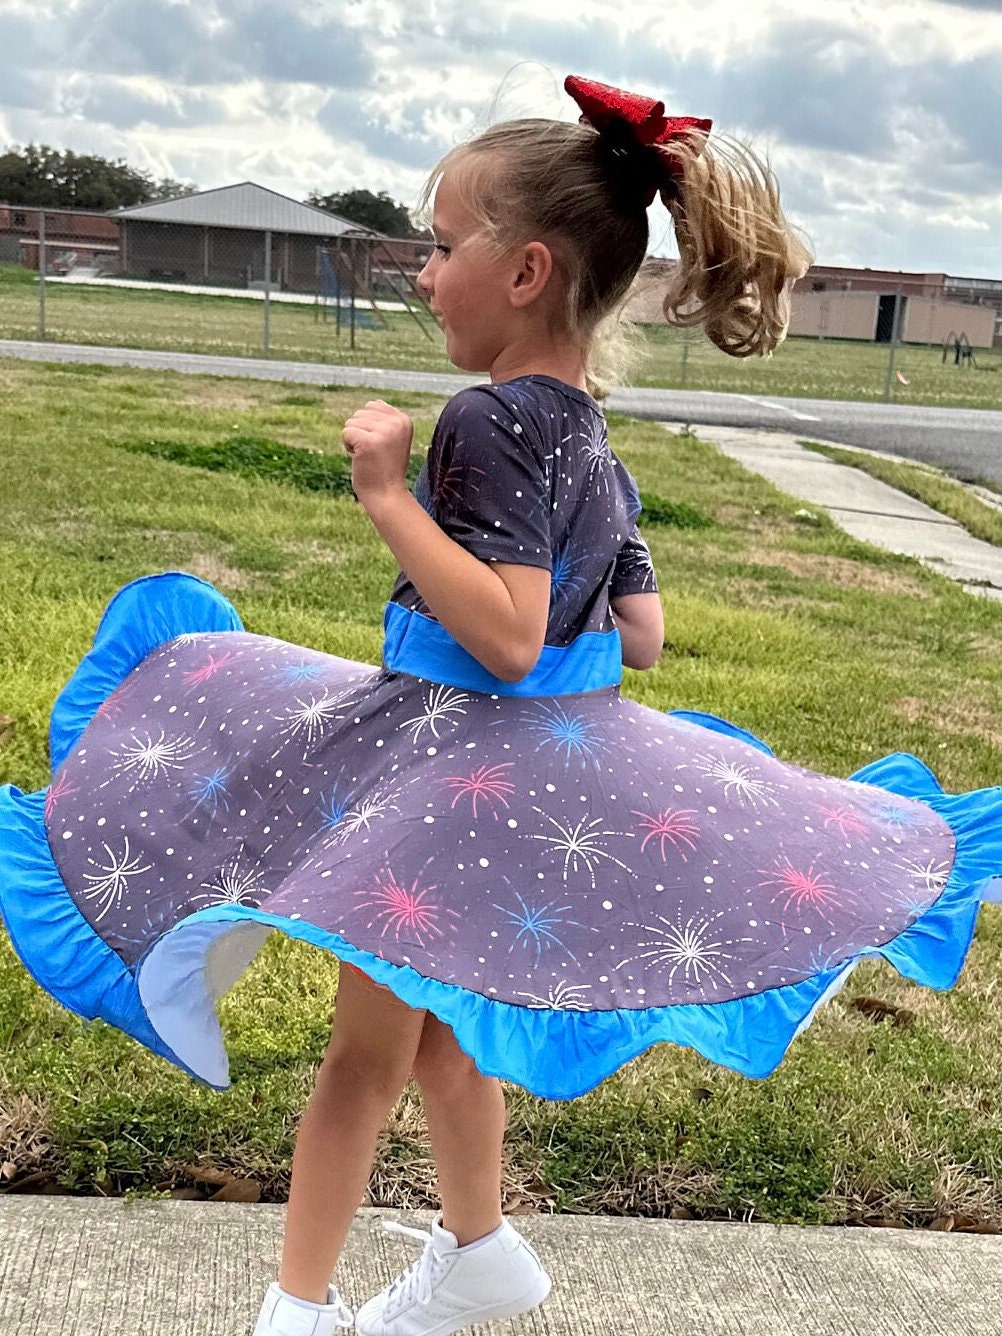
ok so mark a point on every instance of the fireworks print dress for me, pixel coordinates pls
(562, 875)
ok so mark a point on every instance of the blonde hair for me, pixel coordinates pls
(586, 196)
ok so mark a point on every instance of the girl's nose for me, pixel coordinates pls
(423, 279)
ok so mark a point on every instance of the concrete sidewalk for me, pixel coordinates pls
(865, 507)
(85, 1267)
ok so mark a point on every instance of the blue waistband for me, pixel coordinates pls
(415, 644)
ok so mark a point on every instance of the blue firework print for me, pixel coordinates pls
(571, 735)
(210, 791)
(522, 473)
(571, 852)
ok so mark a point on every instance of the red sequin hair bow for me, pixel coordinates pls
(641, 119)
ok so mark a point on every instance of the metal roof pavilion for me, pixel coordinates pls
(248, 206)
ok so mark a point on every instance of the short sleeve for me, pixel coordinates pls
(488, 479)
(633, 572)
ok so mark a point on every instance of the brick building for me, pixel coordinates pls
(72, 236)
(835, 302)
(841, 303)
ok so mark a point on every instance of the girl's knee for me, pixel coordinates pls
(350, 1066)
(441, 1064)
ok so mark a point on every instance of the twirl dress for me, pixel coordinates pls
(562, 875)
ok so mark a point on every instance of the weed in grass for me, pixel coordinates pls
(265, 460)
(671, 514)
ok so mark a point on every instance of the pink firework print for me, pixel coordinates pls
(404, 909)
(805, 888)
(112, 706)
(454, 485)
(59, 788)
(489, 784)
(205, 672)
(844, 820)
(673, 826)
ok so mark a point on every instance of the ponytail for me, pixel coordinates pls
(738, 255)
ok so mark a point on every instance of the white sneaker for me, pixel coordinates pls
(284, 1315)
(449, 1287)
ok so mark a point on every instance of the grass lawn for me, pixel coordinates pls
(832, 651)
(667, 358)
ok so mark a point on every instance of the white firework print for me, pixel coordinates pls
(740, 781)
(441, 703)
(234, 885)
(361, 817)
(596, 453)
(310, 717)
(109, 883)
(687, 947)
(191, 638)
(145, 758)
(931, 874)
(562, 996)
(580, 845)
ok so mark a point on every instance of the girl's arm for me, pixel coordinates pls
(496, 611)
(640, 621)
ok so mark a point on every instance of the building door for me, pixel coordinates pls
(890, 317)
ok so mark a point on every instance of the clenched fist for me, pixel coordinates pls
(378, 438)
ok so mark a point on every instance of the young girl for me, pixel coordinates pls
(524, 875)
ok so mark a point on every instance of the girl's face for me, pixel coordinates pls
(465, 282)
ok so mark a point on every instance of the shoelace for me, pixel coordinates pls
(344, 1317)
(417, 1282)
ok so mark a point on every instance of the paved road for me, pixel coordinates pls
(965, 442)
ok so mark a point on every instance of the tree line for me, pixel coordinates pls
(49, 178)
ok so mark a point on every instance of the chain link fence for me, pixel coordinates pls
(227, 291)
(341, 296)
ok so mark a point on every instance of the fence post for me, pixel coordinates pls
(896, 323)
(267, 294)
(41, 275)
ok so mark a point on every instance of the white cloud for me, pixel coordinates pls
(881, 116)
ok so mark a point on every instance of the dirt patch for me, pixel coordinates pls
(962, 718)
(838, 571)
(209, 394)
(316, 552)
(985, 646)
(209, 567)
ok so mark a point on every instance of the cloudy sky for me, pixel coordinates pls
(882, 118)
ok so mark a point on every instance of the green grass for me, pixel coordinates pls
(669, 358)
(832, 651)
(803, 368)
(926, 484)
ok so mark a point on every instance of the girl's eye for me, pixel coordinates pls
(443, 250)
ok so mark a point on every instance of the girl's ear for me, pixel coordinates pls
(531, 271)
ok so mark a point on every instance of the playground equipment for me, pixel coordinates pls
(360, 276)
(960, 346)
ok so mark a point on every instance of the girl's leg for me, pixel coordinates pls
(466, 1121)
(487, 1270)
(374, 1041)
